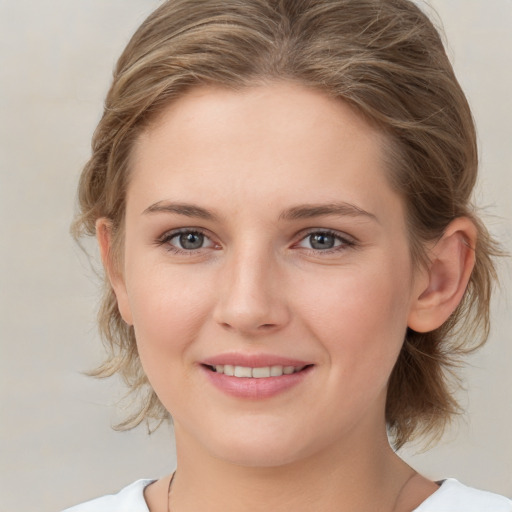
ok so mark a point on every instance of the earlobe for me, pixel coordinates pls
(115, 276)
(452, 260)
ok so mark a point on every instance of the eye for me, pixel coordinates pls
(325, 241)
(189, 241)
(186, 240)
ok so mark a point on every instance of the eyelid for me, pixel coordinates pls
(166, 237)
(346, 240)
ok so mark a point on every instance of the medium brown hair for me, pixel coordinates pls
(383, 57)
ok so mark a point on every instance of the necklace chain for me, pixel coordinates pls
(169, 493)
(394, 506)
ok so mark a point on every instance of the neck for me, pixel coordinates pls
(356, 475)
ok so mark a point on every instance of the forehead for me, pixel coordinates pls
(280, 143)
(282, 111)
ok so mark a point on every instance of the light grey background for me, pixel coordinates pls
(56, 446)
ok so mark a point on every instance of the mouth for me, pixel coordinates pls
(255, 381)
(255, 376)
(260, 372)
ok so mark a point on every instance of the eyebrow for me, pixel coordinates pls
(309, 211)
(306, 211)
(188, 210)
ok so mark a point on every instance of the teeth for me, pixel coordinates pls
(243, 371)
(259, 373)
(256, 373)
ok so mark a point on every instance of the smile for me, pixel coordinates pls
(255, 373)
(255, 381)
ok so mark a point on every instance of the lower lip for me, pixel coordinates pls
(255, 389)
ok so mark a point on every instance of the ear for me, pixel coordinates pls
(114, 274)
(445, 280)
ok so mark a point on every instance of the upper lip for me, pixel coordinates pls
(253, 360)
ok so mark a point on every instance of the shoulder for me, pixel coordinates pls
(453, 496)
(130, 498)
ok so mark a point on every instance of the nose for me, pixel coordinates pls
(251, 296)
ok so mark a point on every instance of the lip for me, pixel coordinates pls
(253, 360)
(252, 388)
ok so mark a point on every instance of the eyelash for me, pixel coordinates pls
(166, 238)
(344, 241)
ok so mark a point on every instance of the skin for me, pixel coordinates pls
(258, 285)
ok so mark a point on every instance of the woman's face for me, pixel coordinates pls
(263, 238)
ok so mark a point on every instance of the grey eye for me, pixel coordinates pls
(322, 241)
(191, 240)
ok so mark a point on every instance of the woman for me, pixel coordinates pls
(281, 195)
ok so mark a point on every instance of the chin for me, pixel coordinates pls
(260, 448)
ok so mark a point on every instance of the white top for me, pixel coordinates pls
(129, 499)
(451, 496)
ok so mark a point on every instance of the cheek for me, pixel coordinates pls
(168, 309)
(361, 318)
